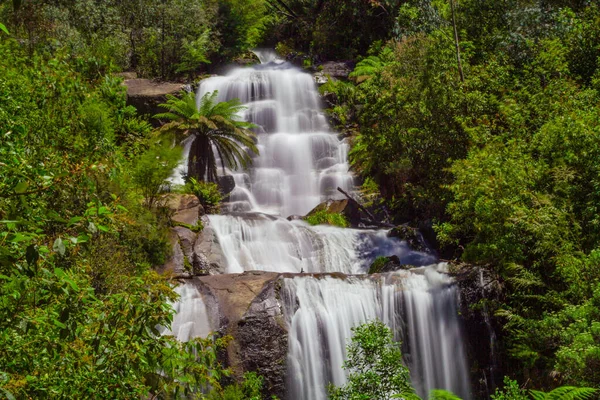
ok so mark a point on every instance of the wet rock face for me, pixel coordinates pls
(250, 311)
(263, 341)
(479, 286)
(411, 236)
(196, 249)
(387, 264)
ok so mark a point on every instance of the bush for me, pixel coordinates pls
(152, 169)
(207, 193)
(323, 217)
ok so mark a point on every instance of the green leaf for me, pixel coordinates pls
(59, 247)
(3, 29)
(59, 324)
(9, 395)
(74, 220)
(21, 187)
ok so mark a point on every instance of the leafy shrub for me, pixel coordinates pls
(207, 193)
(323, 217)
(375, 366)
(152, 169)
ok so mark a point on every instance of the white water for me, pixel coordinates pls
(419, 306)
(301, 163)
(191, 318)
(266, 243)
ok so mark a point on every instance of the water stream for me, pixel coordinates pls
(301, 163)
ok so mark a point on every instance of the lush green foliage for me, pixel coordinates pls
(334, 29)
(214, 125)
(324, 217)
(79, 301)
(375, 366)
(156, 38)
(504, 163)
(207, 193)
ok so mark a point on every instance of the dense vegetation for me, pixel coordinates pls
(82, 218)
(500, 155)
(487, 134)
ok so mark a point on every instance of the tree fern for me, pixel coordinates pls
(216, 127)
(564, 393)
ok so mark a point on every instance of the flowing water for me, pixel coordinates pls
(301, 163)
(419, 306)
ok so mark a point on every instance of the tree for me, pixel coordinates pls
(215, 126)
(375, 366)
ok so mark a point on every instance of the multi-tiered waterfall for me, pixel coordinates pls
(301, 163)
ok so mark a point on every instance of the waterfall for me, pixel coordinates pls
(266, 243)
(301, 163)
(418, 305)
(191, 318)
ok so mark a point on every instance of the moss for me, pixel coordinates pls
(378, 265)
(194, 228)
(322, 217)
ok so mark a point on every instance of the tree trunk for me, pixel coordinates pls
(199, 158)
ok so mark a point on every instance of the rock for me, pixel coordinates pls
(263, 341)
(481, 327)
(337, 69)
(176, 264)
(250, 312)
(411, 236)
(127, 75)
(320, 78)
(295, 217)
(226, 184)
(387, 264)
(345, 207)
(145, 95)
(186, 208)
(207, 255)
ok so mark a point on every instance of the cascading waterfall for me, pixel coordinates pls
(266, 243)
(301, 163)
(419, 305)
(191, 318)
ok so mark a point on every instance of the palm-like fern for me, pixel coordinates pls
(216, 126)
(371, 66)
(564, 393)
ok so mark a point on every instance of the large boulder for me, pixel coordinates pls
(383, 265)
(195, 246)
(347, 208)
(145, 95)
(250, 311)
(185, 208)
(207, 256)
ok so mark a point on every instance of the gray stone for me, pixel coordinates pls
(176, 264)
(208, 257)
(145, 95)
(263, 341)
(226, 184)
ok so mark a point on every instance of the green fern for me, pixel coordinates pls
(564, 393)
(438, 394)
